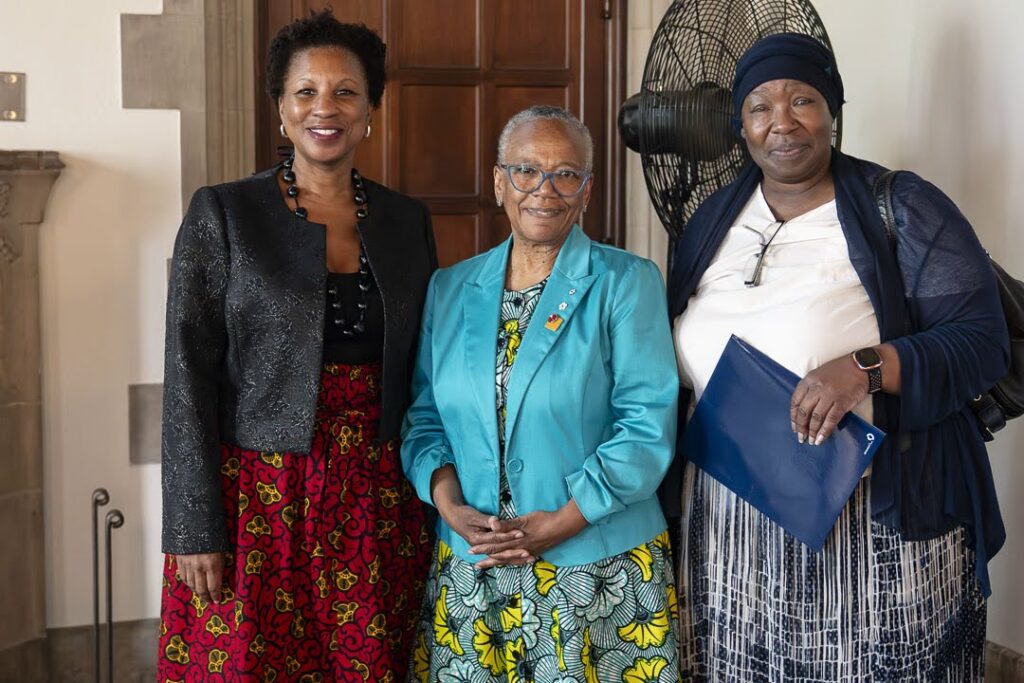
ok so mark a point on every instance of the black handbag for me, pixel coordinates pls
(1005, 400)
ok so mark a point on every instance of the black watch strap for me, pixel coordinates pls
(874, 380)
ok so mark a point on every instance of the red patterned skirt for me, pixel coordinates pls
(331, 554)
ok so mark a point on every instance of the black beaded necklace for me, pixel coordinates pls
(345, 327)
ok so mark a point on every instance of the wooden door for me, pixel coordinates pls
(457, 70)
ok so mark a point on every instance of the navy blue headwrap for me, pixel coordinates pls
(788, 55)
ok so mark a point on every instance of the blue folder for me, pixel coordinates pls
(740, 434)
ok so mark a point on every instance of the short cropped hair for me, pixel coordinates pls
(321, 29)
(544, 112)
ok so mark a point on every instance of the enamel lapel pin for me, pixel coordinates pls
(554, 320)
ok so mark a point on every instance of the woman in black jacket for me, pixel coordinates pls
(296, 548)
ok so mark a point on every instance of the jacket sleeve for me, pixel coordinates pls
(193, 516)
(629, 466)
(424, 444)
(961, 348)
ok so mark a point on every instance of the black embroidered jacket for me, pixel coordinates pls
(245, 325)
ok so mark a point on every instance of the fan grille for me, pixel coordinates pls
(687, 78)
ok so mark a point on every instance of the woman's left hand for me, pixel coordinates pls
(824, 396)
(541, 531)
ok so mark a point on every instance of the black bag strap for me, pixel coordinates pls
(985, 406)
(882, 191)
(883, 198)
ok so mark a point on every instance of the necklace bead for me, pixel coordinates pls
(358, 326)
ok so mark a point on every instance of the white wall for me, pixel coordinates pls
(934, 86)
(108, 230)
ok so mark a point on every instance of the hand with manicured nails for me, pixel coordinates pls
(824, 396)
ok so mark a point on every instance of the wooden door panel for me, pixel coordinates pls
(512, 95)
(456, 237)
(371, 155)
(532, 34)
(497, 232)
(438, 34)
(457, 70)
(509, 100)
(438, 143)
(369, 12)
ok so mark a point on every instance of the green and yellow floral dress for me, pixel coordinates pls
(615, 620)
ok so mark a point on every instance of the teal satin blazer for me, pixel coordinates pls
(591, 407)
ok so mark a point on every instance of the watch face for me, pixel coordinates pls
(867, 358)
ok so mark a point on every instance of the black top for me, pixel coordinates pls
(342, 299)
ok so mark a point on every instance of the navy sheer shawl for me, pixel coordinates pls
(939, 306)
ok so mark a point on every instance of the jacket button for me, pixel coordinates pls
(515, 466)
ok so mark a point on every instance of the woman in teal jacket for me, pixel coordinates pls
(542, 442)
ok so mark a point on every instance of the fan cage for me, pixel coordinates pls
(695, 47)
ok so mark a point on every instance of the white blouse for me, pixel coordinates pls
(809, 308)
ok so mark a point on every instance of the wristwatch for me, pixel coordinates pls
(869, 360)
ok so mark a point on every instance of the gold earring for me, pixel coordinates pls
(284, 133)
(367, 133)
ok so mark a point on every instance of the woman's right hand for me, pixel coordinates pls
(203, 573)
(471, 524)
(478, 530)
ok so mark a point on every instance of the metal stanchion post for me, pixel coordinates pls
(100, 497)
(114, 521)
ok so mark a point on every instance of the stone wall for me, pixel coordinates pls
(25, 182)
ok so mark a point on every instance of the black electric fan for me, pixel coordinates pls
(681, 120)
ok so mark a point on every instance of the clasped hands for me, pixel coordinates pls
(516, 541)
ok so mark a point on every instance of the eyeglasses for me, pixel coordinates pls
(567, 182)
(752, 272)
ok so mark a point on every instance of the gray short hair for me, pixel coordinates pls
(544, 112)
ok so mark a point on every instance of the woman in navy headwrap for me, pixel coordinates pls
(793, 257)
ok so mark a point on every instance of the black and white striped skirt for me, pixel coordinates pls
(758, 605)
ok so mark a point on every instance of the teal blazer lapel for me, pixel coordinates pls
(481, 310)
(552, 316)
